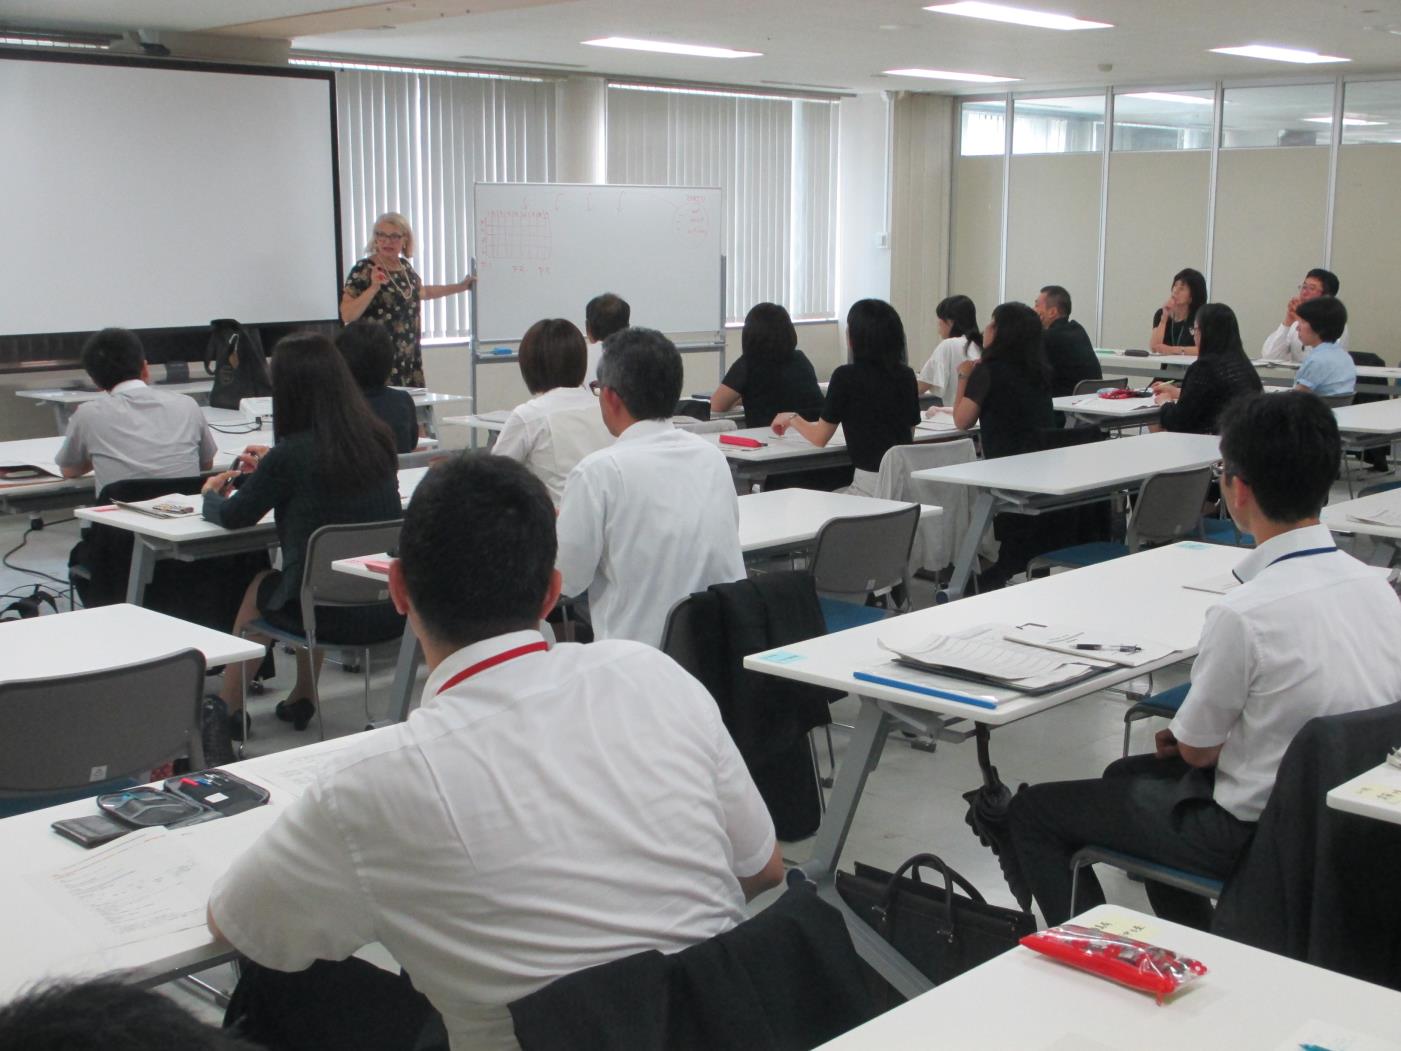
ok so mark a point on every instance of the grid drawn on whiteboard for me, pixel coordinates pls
(516, 235)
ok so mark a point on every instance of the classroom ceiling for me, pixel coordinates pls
(841, 45)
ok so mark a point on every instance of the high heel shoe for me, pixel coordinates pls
(298, 712)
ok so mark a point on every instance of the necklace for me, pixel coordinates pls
(1176, 329)
(406, 289)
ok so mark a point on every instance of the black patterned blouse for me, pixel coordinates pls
(398, 306)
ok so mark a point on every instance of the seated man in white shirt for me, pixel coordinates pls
(136, 431)
(1283, 344)
(543, 811)
(1310, 631)
(560, 424)
(603, 316)
(654, 516)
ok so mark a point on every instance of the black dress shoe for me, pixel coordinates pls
(298, 712)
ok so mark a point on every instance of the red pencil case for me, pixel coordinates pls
(742, 441)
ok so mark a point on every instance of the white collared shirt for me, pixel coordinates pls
(555, 811)
(552, 432)
(136, 431)
(1283, 344)
(644, 523)
(594, 351)
(1311, 631)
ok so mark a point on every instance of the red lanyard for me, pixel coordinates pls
(491, 662)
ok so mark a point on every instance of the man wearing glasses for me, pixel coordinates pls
(1283, 343)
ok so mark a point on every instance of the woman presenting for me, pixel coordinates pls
(384, 287)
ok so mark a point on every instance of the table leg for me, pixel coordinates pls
(143, 566)
(62, 413)
(862, 755)
(405, 672)
(967, 556)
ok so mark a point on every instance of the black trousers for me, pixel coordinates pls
(1157, 809)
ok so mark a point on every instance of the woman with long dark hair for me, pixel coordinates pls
(874, 398)
(771, 373)
(961, 341)
(1172, 324)
(332, 462)
(1220, 374)
(1008, 391)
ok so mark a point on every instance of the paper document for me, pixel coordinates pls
(294, 770)
(1090, 642)
(1113, 406)
(985, 654)
(495, 416)
(145, 885)
(1387, 516)
(1217, 585)
(940, 422)
(172, 505)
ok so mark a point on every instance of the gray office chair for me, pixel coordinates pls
(1168, 509)
(74, 734)
(323, 587)
(1091, 386)
(860, 558)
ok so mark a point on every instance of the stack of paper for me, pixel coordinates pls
(984, 654)
(172, 505)
(1387, 516)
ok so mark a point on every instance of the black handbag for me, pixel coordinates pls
(234, 357)
(941, 932)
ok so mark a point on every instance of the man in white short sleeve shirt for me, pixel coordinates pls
(1309, 632)
(543, 811)
(1284, 344)
(653, 517)
(134, 430)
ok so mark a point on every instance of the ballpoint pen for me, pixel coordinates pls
(1107, 649)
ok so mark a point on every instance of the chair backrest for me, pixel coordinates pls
(864, 553)
(323, 586)
(695, 408)
(1169, 507)
(1337, 401)
(680, 637)
(69, 731)
(1090, 386)
(686, 423)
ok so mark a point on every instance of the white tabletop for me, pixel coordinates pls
(109, 636)
(485, 421)
(1083, 468)
(1023, 1001)
(42, 939)
(1370, 418)
(1094, 405)
(1138, 596)
(62, 396)
(787, 518)
(1339, 517)
(194, 528)
(1376, 793)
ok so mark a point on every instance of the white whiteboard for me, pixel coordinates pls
(545, 249)
(155, 196)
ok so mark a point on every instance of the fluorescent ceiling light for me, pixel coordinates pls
(1016, 15)
(669, 48)
(1279, 54)
(1348, 122)
(1168, 96)
(944, 74)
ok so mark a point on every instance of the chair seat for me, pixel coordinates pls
(1081, 555)
(1206, 886)
(1223, 531)
(1164, 703)
(841, 615)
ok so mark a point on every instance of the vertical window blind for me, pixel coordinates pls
(415, 142)
(775, 159)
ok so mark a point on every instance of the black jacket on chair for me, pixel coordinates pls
(769, 718)
(1317, 884)
(786, 980)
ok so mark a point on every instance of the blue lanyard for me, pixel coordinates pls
(1303, 554)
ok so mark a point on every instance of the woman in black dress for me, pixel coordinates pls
(384, 287)
(332, 462)
(772, 374)
(1220, 374)
(875, 398)
(1172, 324)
